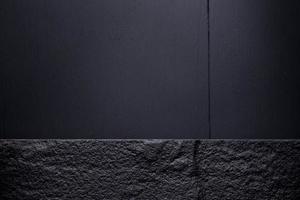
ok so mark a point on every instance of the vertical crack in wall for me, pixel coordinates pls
(197, 172)
(208, 67)
(3, 109)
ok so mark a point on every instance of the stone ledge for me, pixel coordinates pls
(149, 169)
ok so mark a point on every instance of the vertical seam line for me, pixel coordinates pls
(208, 68)
(3, 109)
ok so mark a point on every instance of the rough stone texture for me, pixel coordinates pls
(149, 169)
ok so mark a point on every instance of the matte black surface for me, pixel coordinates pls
(255, 56)
(104, 69)
(139, 69)
(169, 170)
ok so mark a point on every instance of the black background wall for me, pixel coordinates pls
(150, 69)
(255, 56)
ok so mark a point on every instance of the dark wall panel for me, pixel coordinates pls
(255, 68)
(104, 69)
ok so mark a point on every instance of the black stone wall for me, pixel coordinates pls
(149, 69)
(149, 169)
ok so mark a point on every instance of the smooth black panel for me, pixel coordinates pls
(105, 69)
(255, 68)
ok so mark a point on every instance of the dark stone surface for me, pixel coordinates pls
(149, 169)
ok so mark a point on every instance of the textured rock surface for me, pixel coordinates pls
(149, 169)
